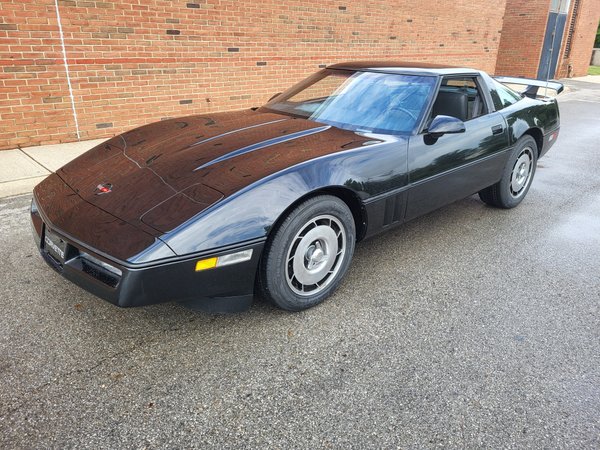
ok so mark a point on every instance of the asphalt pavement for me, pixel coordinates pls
(471, 327)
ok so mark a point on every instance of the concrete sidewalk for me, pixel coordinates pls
(587, 78)
(22, 169)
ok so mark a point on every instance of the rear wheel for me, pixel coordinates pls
(309, 253)
(516, 178)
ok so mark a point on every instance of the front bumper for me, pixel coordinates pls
(221, 289)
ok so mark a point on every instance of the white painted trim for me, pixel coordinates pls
(64, 51)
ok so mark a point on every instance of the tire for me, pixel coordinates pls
(308, 254)
(516, 177)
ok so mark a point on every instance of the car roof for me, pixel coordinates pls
(402, 67)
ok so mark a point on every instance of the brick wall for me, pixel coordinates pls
(33, 86)
(583, 20)
(522, 37)
(133, 62)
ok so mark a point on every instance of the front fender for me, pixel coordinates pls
(251, 213)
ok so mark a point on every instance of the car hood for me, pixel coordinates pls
(160, 175)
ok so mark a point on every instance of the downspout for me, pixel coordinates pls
(66, 63)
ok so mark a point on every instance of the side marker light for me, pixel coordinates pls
(223, 260)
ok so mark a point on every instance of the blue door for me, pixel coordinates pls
(555, 28)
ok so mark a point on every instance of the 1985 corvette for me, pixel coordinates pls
(208, 210)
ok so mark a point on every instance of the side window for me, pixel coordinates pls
(459, 97)
(503, 96)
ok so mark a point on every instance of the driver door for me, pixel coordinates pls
(453, 166)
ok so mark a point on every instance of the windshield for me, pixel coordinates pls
(358, 101)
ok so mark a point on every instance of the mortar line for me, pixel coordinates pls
(64, 51)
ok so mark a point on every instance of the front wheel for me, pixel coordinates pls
(308, 255)
(516, 177)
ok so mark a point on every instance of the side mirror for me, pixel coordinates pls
(275, 96)
(445, 125)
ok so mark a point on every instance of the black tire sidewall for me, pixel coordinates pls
(273, 276)
(506, 200)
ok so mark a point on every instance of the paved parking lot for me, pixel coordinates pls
(470, 327)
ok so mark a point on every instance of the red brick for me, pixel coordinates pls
(523, 35)
(127, 71)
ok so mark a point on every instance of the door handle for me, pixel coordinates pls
(497, 129)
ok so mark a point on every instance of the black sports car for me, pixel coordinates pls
(210, 209)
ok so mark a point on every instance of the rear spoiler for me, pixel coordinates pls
(531, 85)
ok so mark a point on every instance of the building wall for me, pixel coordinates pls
(574, 62)
(33, 86)
(522, 37)
(133, 62)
